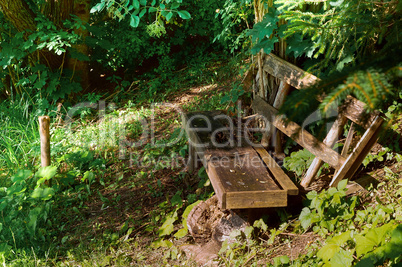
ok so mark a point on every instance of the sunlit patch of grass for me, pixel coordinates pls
(19, 136)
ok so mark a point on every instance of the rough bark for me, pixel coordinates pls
(21, 16)
(81, 10)
(58, 11)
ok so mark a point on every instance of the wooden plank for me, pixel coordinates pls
(298, 134)
(299, 79)
(362, 148)
(257, 199)
(277, 172)
(192, 157)
(348, 142)
(330, 139)
(355, 111)
(283, 91)
(288, 72)
(238, 171)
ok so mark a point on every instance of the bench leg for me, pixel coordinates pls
(192, 158)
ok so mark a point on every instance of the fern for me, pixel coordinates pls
(340, 32)
(375, 83)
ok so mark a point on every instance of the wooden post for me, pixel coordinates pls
(283, 91)
(44, 123)
(360, 151)
(329, 140)
(192, 154)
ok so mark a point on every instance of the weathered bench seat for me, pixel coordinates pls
(242, 175)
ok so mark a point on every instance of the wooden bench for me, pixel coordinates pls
(242, 175)
(345, 164)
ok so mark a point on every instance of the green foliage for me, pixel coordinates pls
(136, 9)
(341, 32)
(23, 73)
(351, 44)
(374, 83)
(26, 207)
(266, 32)
(19, 137)
(235, 94)
(236, 18)
(298, 162)
(328, 210)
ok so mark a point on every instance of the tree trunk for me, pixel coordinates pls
(81, 10)
(21, 16)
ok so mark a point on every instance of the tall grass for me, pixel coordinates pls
(19, 136)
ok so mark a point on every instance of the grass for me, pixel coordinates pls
(19, 137)
(118, 199)
(101, 208)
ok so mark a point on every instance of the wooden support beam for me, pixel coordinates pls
(330, 139)
(362, 148)
(283, 91)
(288, 72)
(44, 125)
(299, 79)
(348, 141)
(298, 134)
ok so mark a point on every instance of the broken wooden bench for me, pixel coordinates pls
(344, 163)
(243, 175)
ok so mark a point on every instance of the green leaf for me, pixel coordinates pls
(181, 233)
(184, 14)
(341, 239)
(342, 258)
(136, 4)
(328, 251)
(167, 226)
(363, 245)
(187, 212)
(281, 260)
(174, 5)
(261, 224)
(342, 185)
(142, 13)
(44, 194)
(169, 16)
(134, 21)
(160, 243)
(306, 218)
(143, 2)
(98, 7)
(88, 175)
(176, 199)
(20, 176)
(47, 172)
(377, 235)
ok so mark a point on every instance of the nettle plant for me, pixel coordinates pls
(328, 210)
(368, 237)
(26, 205)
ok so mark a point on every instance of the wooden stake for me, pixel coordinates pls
(44, 123)
(358, 154)
(329, 140)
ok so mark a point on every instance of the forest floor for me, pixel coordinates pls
(133, 213)
(126, 221)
